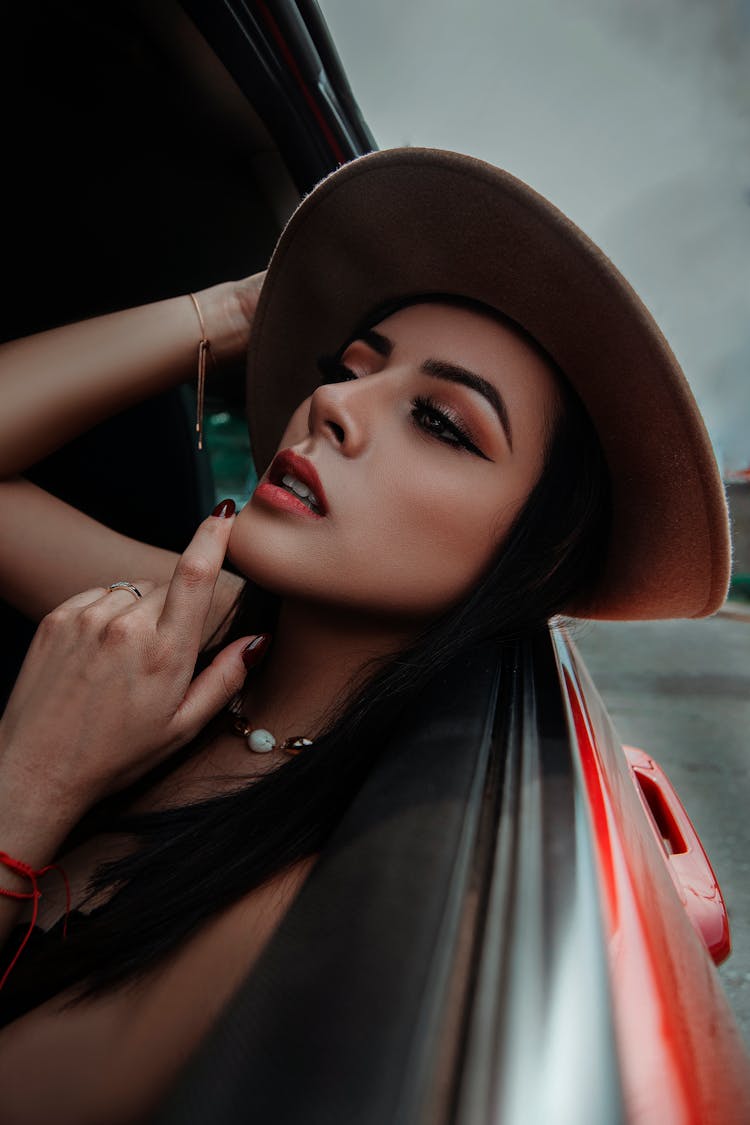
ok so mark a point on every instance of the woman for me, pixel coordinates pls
(462, 428)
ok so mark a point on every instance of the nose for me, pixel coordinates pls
(339, 411)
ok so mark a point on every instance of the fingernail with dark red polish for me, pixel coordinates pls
(225, 509)
(253, 653)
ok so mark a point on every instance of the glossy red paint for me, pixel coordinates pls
(682, 1058)
(686, 860)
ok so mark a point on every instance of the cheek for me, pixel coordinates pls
(424, 542)
(417, 542)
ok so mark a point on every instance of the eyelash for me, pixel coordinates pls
(336, 371)
(461, 440)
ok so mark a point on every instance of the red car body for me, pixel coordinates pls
(682, 1057)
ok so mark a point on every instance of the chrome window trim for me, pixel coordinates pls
(522, 1065)
(417, 1003)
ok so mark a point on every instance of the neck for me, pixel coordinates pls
(316, 652)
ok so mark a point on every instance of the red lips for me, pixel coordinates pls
(272, 493)
(289, 462)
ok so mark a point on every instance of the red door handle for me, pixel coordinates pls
(685, 858)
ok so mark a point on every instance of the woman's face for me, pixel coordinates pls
(425, 457)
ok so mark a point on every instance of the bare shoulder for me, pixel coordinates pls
(114, 1057)
(182, 1002)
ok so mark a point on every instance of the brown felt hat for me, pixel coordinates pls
(410, 221)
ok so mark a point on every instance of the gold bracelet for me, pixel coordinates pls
(204, 346)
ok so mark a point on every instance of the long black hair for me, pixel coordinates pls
(193, 861)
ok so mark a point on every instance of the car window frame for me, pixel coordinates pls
(448, 943)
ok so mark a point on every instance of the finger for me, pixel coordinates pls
(214, 688)
(190, 591)
(103, 593)
(123, 598)
(86, 597)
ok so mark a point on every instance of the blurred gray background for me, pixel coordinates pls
(633, 116)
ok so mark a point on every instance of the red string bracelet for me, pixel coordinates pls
(34, 894)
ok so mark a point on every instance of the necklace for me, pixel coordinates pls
(261, 741)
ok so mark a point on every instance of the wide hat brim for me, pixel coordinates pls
(408, 221)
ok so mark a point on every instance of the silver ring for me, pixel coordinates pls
(126, 586)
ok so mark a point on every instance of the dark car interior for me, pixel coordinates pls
(137, 169)
(153, 149)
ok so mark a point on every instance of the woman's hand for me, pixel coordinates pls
(228, 311)
(247, 292)
(106, 691)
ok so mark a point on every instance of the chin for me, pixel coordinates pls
(266, 555)
(283, 559)
(261, 567)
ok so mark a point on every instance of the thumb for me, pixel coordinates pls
(219, 682)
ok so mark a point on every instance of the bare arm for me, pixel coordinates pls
(33, 829)
(50, 551)
(57, 384)
(107, 692)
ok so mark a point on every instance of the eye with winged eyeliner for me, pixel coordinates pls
(426, 413)
(451, 372)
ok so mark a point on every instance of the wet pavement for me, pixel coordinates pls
(681, 691)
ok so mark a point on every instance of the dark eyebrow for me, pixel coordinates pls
(380, 344)
(453, 373)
